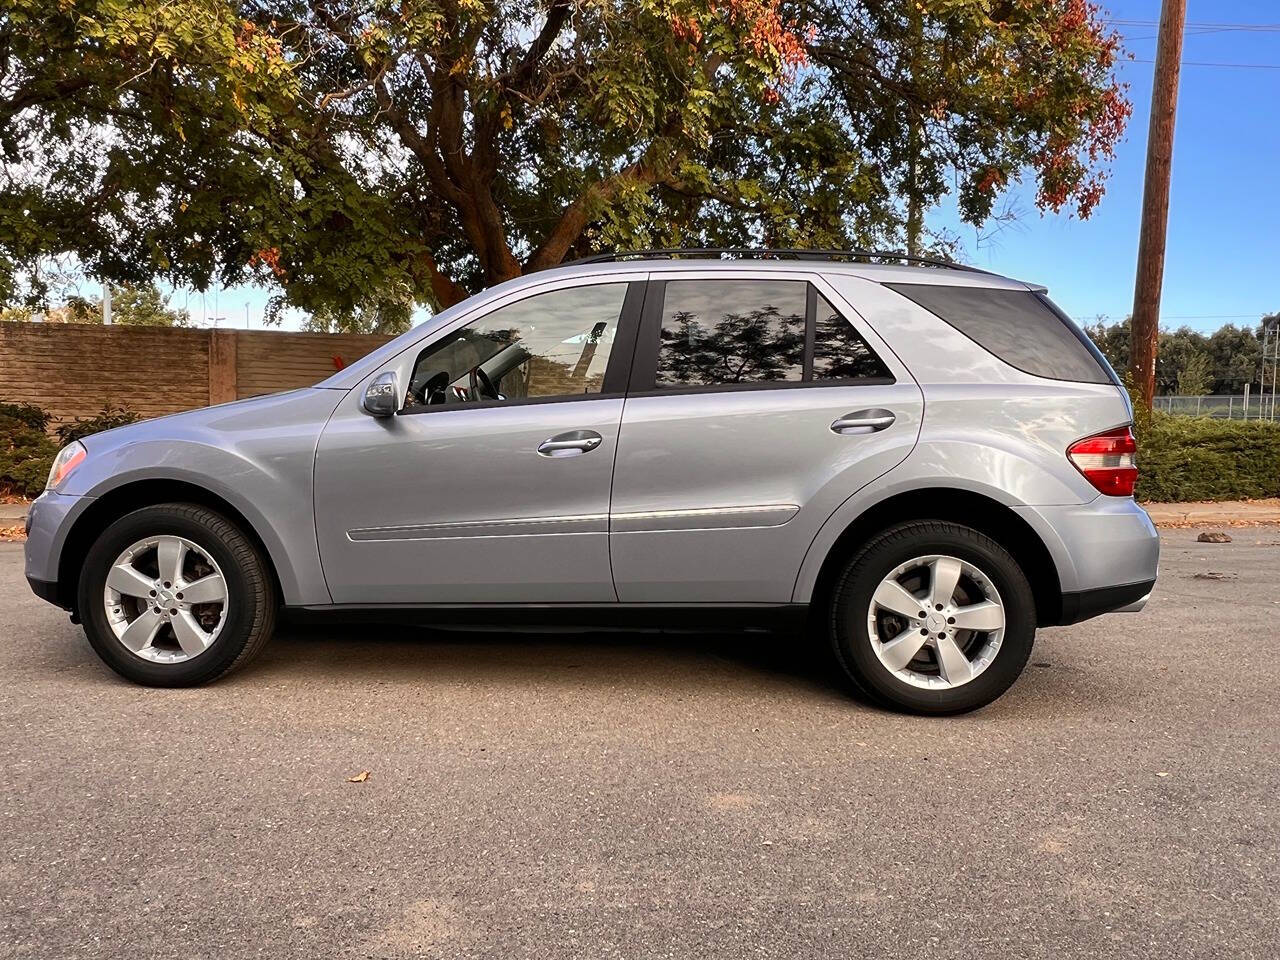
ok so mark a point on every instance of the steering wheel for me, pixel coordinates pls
(482, 386)
(432, 390)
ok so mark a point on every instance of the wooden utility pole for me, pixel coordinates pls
(1145, 327)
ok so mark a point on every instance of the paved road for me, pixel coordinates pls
(651, 796)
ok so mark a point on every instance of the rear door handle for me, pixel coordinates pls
(863, 421)
(571, 444)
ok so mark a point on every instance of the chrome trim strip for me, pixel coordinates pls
(468, 529)
(704, 518)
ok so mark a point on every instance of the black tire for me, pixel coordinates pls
(862, 575)
(249, 615)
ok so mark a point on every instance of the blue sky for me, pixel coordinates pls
(1224, 218)
(1224, 209)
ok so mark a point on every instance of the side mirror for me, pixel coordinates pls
(382, 396)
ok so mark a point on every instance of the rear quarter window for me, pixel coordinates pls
(1015, 325)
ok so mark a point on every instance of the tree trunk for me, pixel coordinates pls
(915, 216)
(1145, 329)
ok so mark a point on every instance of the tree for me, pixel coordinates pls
(1112, 339)
(18, 314)
(1195, 377)
(1189, 362)
(381, 315)
(145, 307)
(763, 344)
(130, 307)
(338, 150)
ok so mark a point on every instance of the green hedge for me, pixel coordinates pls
(1196, 458)
(27, 450)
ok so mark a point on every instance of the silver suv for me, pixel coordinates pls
(925, 462)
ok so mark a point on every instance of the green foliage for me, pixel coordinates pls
(1197, 458)
(1189, 362)
(385, 314)
(27, 413)
(131, 306)
(106, 419)
(339, 150)
(145, 306)
(1195, 376)
(26, 450)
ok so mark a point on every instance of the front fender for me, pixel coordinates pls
(258, 456)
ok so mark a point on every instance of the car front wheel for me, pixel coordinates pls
(175, 595)
(932, 617)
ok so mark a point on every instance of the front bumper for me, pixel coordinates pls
(49, 520)
(46, 590)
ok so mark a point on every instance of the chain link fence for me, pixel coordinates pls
(1223, 407)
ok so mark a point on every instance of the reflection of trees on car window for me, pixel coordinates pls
(760, 344)
(839, 353)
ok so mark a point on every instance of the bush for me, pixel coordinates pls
(26, 450)
(1196, 458)
(106, 419)
(28, 413)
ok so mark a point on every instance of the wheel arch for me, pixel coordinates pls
(967, 507)
(119, 501)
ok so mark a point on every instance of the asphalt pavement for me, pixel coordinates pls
(651, 795)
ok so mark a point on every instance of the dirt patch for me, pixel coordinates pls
(424, 924)
(1226, 513)
(730, 801)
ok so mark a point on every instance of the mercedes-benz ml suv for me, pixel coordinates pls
(924, 462)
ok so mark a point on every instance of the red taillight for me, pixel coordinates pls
(1108, 461)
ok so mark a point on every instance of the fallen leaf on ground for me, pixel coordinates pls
(1214, 575)
(360, 777)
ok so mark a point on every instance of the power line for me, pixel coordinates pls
(1177, 316)
(1195, 27)
(1205, 63)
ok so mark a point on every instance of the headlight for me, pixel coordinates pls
(66, 461)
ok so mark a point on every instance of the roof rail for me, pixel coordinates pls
(764, 253)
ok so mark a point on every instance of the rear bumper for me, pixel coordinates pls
(1129, 598)
(1107, 544)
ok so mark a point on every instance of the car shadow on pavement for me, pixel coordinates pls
(778, 666)
(396, 653)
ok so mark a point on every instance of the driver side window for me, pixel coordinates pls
(553, 344)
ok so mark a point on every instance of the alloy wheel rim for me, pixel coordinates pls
(165, 599)
(936, 622)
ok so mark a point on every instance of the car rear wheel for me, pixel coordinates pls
(176, 595)
(932, 617)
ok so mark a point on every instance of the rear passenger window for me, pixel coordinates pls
(731, 331)
(1016, 325)
(737, 332)
(839, 353)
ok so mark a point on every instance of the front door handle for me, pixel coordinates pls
(862, 421)
(572, 444)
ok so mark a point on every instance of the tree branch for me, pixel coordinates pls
(518, 79)
(580, 213)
